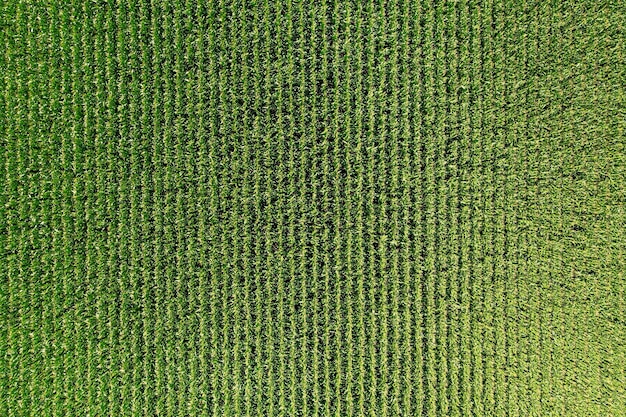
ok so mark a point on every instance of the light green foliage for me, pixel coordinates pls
(323, 208)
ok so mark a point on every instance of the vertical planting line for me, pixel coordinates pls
(477, 253)
(331, 184)
(136, 160)
(535, 304)
(10, 278)
(236, 212)
(269, 195)
(136, 167)
(405, 294)
(475, 200)
(247, 237)
(315, 215)
(509, 204)
(551, 277)
(303, 223)
(514, 200)
(56, 87)
(113, 314)
(498, 161)
(524, 327)
(379, 221)
(111, 181)
(22, 189)
(465, 209)
(150, 223)
(423, 136)
(369, 206)
(482, 260)
(418, 250)
(22, 215)
(147, 200)
(6, 294)
(278, 242)
(247, 220)
(7, 217)
(59, 267)
(98, 215)
(226, 122)
(66, 225)
(151, 197)
(564, 308)
(172, 196)
(544, 188)
(292, 209)
(419, 130)
(30, 265)
(395, 195)
(382, 269)
(193, 203)
(568, 318)
(359, 191)
(440, 221)
(189, 206)
(221, 273)
(488, 207)
(258, 269)
(170, 260)
(216, 154)
(542, 216)
(337, 201)
(17, 282)
(10, 211)
(517, 47)
(512, 204)
(77, 201)
(326, 203)
(203, 136)
(547, 272)
(471, 285)
(527, 299)
(57, 281)
(128, 155)
(169, 215)
(50, 166)
(29, 218)
(210, 243)
(442, 228)
(124, 238)
(179, 381)
(49, 170)
(157, 214)
(430, 260)
(501, 167)
(90, 193)
(451, 207)
(28, 251)
(282, 198)
(51, 355)
(303, 238)
(184, 211)
(349, 198)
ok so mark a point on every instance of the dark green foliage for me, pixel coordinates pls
(325, 208)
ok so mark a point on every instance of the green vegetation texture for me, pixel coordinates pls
(313, 208)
